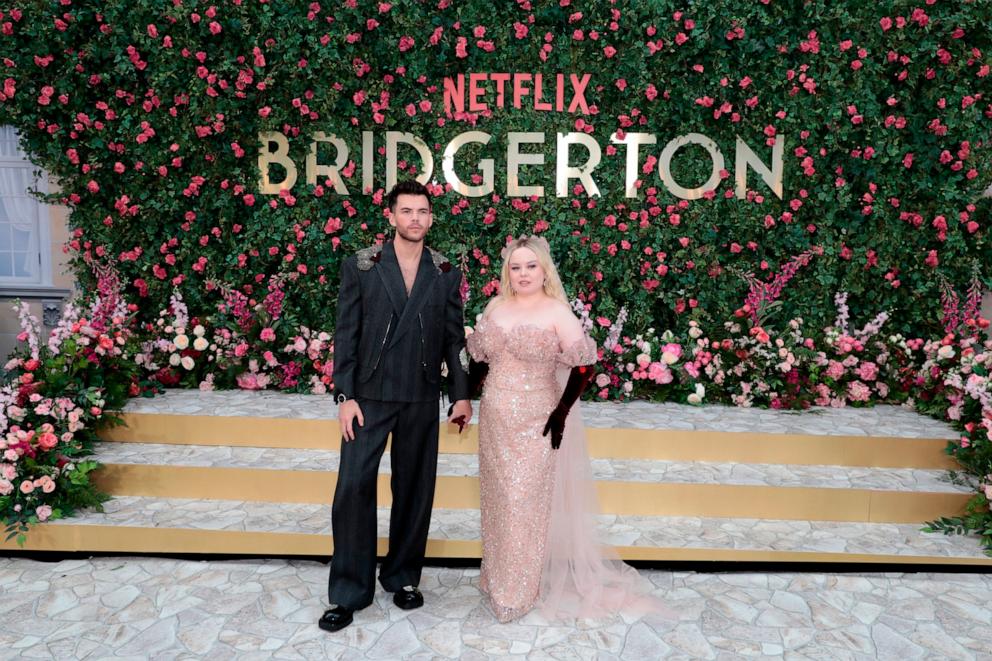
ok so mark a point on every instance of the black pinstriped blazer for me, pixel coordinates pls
(388, 347)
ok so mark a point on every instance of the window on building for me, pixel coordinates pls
(24, 232)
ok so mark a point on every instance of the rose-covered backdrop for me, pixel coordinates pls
(861, 284)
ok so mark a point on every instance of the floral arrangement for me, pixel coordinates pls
(241, 349)
(954, 384)
(58, 392)
(55, 395)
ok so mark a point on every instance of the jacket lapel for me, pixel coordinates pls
(426, 274)
(392, 278)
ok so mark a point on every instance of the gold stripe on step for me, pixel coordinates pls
(126, 539)
(631, 498)
(618, 443)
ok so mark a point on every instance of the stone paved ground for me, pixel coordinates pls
(152, 608)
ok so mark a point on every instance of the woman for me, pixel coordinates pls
(538, 533)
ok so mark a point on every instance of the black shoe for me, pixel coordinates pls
(335, 619)
(408, 598)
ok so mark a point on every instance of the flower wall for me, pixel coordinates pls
(149, 115)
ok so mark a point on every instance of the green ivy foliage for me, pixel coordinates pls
(148, 115)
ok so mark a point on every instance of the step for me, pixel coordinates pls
(637, 498)
(180, 525)
(883, 420)
(631, 487)
(627, 470)
(885, 436)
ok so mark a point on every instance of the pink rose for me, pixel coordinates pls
(267, 334)
(858, 392)
(868, 371)
(47, 441)
(835, 370)
(823, 395)
(43, 512)
(248, 381)
(659, 373)
(670, 353)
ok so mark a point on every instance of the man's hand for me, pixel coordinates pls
(460, 414)
(349, 411)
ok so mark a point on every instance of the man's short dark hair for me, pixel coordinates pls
(408, 187)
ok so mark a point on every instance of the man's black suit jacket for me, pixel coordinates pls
(389, 347)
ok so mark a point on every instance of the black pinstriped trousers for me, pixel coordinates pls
(413, 460)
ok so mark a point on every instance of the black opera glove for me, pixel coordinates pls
(578, 379)
(477, 373)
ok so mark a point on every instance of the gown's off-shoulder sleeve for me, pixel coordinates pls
(579, 352)
(475, 343)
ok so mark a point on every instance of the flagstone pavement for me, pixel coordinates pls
(159, 608)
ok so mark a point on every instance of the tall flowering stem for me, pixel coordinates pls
(108, 304)
(274, 299)
(236, 304)
(616, 329)
(949, 303)
(582, 312)
(955, 318)
(843, 314)
(762, 295)
(30, 328)
(973, 301)
(180, 312)
(873, 327)
(70, 315)
(465, 288)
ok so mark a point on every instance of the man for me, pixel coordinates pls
(399, 315)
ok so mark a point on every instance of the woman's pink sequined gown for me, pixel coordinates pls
(516, 463)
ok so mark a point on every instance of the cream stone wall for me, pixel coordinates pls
(43, 297)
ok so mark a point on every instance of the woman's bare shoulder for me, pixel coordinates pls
(564, 319)
(493, 304)
(561, 310)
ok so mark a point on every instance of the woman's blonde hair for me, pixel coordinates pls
(539, 246)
